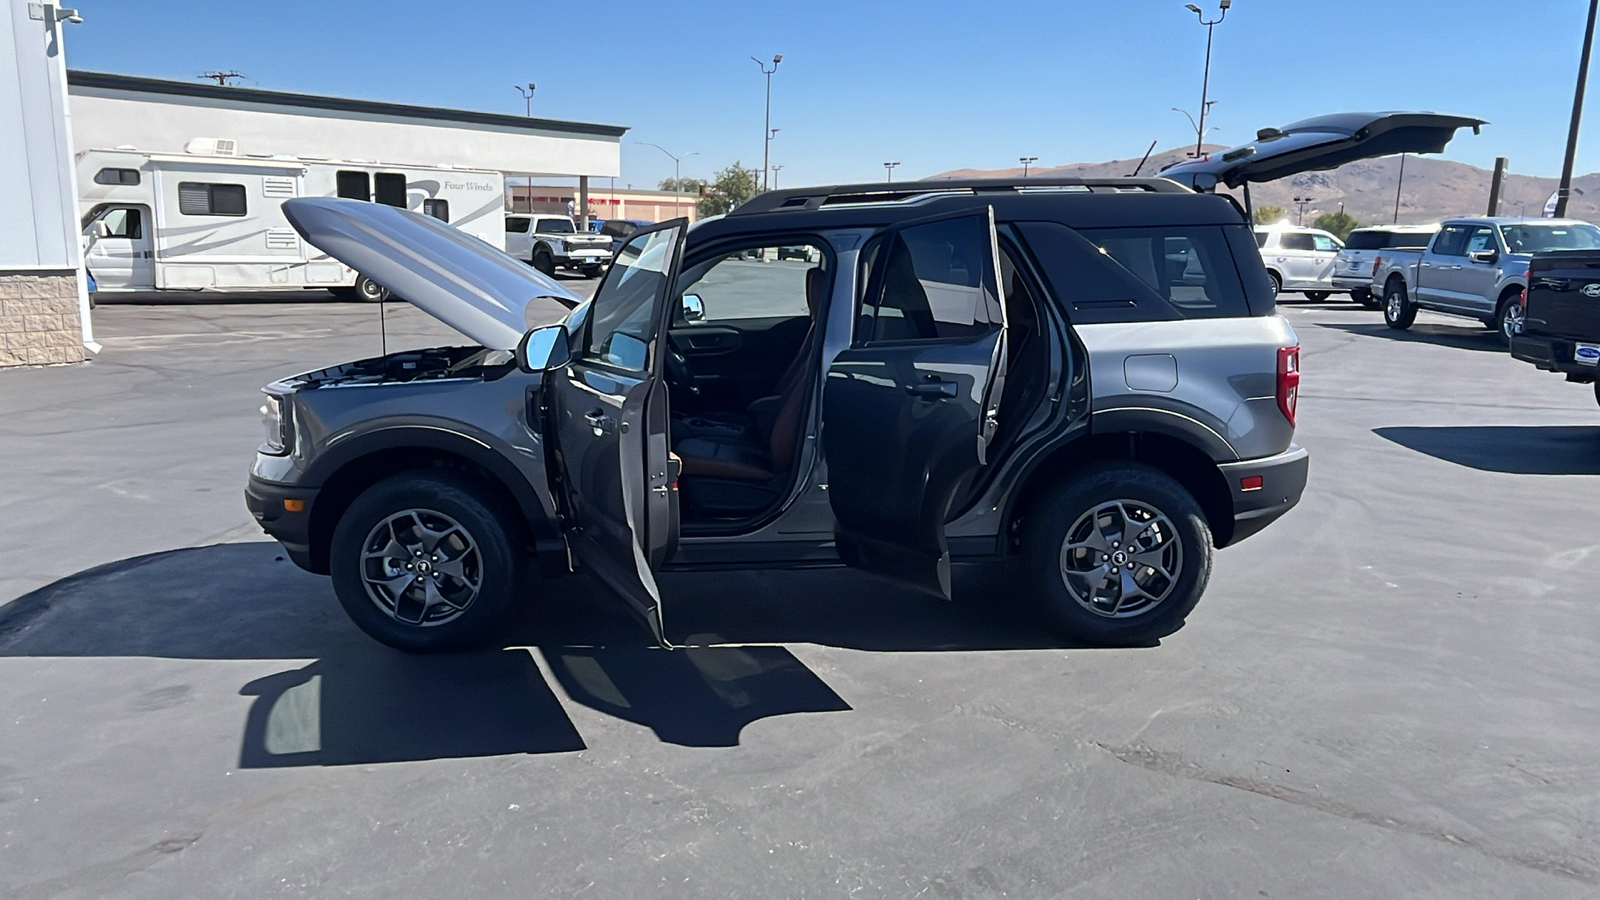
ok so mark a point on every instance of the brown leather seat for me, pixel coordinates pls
(746, 460)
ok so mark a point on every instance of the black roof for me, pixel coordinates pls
(229, 93)
(886, 193)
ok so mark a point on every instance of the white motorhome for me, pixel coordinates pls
(209, 219)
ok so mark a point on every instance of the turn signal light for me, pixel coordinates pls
(1288, 381)
(294, 506)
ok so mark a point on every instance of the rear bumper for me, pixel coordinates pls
(265, 500)
(1283, 480)
(1353, 283)
(1553, 355)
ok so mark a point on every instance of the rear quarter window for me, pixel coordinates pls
(1366, 240)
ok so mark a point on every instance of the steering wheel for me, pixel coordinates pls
(677, 365)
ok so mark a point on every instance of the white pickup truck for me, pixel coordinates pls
(548, 242)
(1476, 268)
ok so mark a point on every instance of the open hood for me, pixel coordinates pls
(449, 274)
(1325, 142)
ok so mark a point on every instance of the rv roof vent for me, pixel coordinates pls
(204, 146)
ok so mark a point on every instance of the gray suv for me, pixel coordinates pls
(1086, 376)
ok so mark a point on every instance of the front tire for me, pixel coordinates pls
(370, 291)
(1398, 310)
(427, 562)
(543, 261)
(1318, 296)
(1277, 283)
(1507, 321)
(591, 271)
(1119, 555)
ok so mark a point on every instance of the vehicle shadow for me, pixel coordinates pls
(1472, 337)
(1514, 449)
(359, 702)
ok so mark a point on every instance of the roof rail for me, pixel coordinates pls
(908, 192)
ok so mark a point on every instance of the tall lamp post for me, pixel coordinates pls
(775, 171)
(888, 171)
(1302, 202)
(1205, 81)
(1200, 136)
(1027, 163)
(766, 134)
(1564, 189)
(677, 180)
(527, 110)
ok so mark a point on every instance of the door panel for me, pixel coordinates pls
(909, 408)
(608, 415)
(1436, 273)
(122, 259)
(1475, 281)
(736, 361)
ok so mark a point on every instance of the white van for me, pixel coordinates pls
(1299, 259)
(211, 220)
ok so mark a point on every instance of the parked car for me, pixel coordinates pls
(1299, 259)
(1561, 316)
(549, 242)
(1474, 267)
(618, 230)
(973, 370)
(1353, 268)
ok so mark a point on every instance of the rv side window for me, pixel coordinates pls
(516, 225)
(124, 223)
(353, 185)
(439, 209)
(196, 198)
(117, 176)
(390, 189)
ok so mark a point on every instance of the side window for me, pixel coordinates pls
(353, 185)
(516, 225)
(389, 188)
(439, 209)
(1187, 266)
(622, 319)
(1261, 238)
(1481, 238)
(124, 223)
(117, 176)
(1295, 240)
(197, 198)
(928, 284)
(1324, 244)
(756, 283)
(1452, 241)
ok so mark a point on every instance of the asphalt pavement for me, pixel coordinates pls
(1390, 693)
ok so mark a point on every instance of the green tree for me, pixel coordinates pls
(1339, 223)
(730, 187)
(1266, 215)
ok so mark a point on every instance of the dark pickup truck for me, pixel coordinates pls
(1561, 316)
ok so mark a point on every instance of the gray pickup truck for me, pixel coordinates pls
(1476, 268)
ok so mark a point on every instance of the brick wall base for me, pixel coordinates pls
(39, 322)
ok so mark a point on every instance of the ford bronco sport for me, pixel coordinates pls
(1085, 375)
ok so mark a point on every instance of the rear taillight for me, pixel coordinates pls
(1527, 279)
(1288, 381)
(1377, 261)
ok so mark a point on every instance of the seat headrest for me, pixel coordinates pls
(816, 287)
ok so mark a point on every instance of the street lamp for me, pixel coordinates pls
(888, 171)
(1027, 161)
(775, 171)
(766, 134)
(1564, 187)
(677, 181)
(527, 103)
(1199, 135)
(1300, 216)
(1205, 81)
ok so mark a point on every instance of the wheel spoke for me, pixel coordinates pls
(426, 570)
(395, 585)
(1154, 559)
(1121, 558)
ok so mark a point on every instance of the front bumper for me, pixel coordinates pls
(1553, 355)
(292, 529)
(1283, 480)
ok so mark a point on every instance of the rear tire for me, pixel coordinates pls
(591, 271)
(543, 261)
(1076, 542)
(370, 291)
(1365, 297)
(427, 562)
(1398, 310)
(1277, 284)
(1317, 296)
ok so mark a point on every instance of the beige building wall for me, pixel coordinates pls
(39, 318)
(604, 203)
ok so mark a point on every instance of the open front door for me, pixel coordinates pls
(608, 416)
(909, 409)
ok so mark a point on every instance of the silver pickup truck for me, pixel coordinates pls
(1476, 268)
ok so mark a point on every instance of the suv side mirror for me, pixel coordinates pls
(1487, 257)
(694, 310)
(543, 349)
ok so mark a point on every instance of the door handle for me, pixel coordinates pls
(598, 419)
(1426, 265)
(932, 389)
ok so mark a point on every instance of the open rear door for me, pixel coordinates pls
(909, 409)
(608, 415)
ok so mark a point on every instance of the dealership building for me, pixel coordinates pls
(49, 116)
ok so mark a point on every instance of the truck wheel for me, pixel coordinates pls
(1398, 311)
(591, 271)
(427, 563)
(1119, 555)
(370, 291)
(1364, 297)
(1317, 296)
(1508, 319)
(543, 261)
(1277, 283)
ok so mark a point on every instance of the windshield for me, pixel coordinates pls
(618, 229)
(556, 226)
(1536, 237)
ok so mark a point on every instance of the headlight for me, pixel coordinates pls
(275, 422)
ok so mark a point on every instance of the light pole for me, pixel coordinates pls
(1399, 182)
(1199, 135)
(1302, 202)
(1027, 162)
(677, 180)
(888, 171)
(775, 171)
(1564, 189)
(766, 134)
(1205, 81)
(527, 106)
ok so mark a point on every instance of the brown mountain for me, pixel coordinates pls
(1434, 188)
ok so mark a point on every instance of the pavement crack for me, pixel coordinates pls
(1172, 764)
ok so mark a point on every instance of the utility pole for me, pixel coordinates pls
(1205, 80)
(1027, 162)
(1399, 182)
(775, 171)
(766, 133)
(527, 105)
(221, 78)
(1564, 190)
(677, 180)
(888, 172)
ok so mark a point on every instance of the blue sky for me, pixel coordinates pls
(934, 85)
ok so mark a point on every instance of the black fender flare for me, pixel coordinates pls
(1172, 423)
